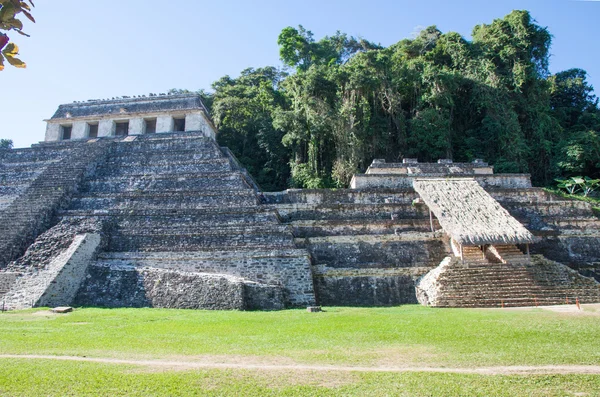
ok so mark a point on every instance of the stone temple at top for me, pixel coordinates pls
(129, 116)
(131, 202)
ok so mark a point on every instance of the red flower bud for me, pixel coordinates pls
(3, 40)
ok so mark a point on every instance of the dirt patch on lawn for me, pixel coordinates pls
(205, 364)
(588, 309)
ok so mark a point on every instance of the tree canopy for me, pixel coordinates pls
(342, 101)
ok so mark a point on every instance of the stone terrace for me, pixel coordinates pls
(368, 246)
(183, 228)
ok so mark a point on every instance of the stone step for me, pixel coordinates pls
(516, 285)
(166, 214)
(162, 157)
(532, 294)
(405, 250)
(139, 151)
(166, 200)
(27, 155)
(12, 176)
(187, 226)
(218, 230)
(570, 208)
(160, 183)
(339, 227)
(522, 195)
(294, 212)
(158, 257)
(258, 237)
(585, 223)
(125, 169)
(204, 261)
(342, 196)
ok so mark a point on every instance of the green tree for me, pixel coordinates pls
(437, 95)
(242, 109)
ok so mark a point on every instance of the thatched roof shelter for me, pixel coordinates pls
(469, 214)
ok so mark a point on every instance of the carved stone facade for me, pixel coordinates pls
(129, 116)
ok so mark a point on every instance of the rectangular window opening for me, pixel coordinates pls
(150, 126)
(92, 130)
(66, 132)
(122, 128)
(179, 125)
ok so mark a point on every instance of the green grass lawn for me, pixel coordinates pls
(408, 335)
(44, 378)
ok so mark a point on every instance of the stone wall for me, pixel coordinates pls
(289, 269)
(389, 251)
(71, 268)
(55, 264)
(366, 286)
(7, 280)
(128, 286)
(366, 181)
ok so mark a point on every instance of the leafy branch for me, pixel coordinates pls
(9, 11)
(576, 184)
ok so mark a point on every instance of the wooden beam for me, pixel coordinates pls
(431, 221)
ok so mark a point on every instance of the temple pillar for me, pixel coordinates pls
(194, 122)
(136, 126)
(52, 132)
(164, 123)
(106, 128)
(80, 129)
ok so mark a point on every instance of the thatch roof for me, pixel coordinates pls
(469, 214)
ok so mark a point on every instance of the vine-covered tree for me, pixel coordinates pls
(348, 101)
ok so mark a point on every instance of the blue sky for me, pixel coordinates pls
(85, 49)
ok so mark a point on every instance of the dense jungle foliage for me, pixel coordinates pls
(341, 101)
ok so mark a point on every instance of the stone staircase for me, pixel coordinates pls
(504, 284)
(41, 192)
(510, 254)
(475, 256)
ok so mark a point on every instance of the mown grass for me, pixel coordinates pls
(45, 378)
(405, 335)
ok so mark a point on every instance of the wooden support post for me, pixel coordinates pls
(527, 251)
(462, 259)
(431, 221)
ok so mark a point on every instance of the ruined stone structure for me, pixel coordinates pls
(131, 202)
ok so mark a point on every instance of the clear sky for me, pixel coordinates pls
(93, 49)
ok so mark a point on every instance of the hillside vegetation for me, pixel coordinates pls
(342, 101)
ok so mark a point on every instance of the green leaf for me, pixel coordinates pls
(578, 179)
(7, 12)
(16, 62)
(11, 50)
(28, 15)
